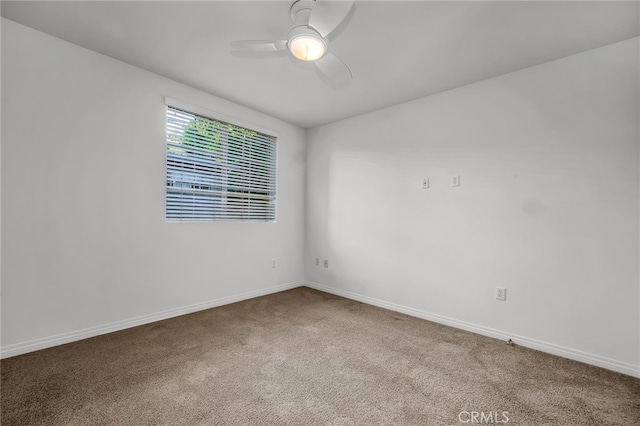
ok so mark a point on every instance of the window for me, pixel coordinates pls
(217, 170)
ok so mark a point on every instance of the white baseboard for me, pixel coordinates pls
(576, 355)
(61, 339)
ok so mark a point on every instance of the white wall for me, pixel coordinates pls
(86, 248)
(548, 207)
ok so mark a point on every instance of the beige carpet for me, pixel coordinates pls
(303, 357)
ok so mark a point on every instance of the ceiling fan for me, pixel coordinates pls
(313, 21)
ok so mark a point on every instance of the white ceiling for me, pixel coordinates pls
(397, 50)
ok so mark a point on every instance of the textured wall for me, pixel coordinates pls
(84, 237)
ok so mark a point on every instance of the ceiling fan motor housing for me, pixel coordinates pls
(300, 11)
(303, 34)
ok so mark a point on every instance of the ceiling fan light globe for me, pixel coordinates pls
(307, 47)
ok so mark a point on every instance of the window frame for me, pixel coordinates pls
(212, 115)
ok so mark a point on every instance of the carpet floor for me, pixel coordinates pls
(303, 357)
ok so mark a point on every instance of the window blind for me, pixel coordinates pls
(217, 170)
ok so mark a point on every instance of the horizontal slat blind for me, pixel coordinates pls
(218, 171)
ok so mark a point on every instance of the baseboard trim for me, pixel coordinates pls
(576, 355)
(61, 339)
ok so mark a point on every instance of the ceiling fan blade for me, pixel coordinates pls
(334, 69)
(327, 15)
(259, 45)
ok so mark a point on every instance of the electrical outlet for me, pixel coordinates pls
(317, 261)
(455, 180)
(425, 183)
(273, 263)
(501, 293)
(326, 263)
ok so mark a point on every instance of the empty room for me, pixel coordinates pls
(320, 212)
